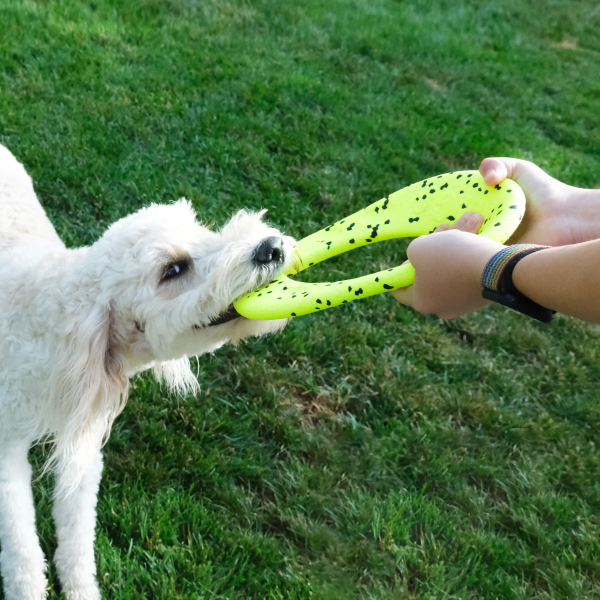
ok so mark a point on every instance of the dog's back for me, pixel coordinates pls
(22, 218)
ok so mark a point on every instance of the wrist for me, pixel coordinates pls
(498, 272)
(581, 211)
(479, 258)
(499, 286)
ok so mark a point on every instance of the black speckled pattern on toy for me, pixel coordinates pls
(413, 211)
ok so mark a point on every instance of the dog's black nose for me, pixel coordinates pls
(270, 250)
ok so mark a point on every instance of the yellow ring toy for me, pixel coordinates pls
(410, 212)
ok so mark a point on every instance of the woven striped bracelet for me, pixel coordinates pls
(492, 274)
(498, 285)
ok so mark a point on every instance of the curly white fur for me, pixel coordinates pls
(75, 325)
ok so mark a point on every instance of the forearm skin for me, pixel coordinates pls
(565, 279)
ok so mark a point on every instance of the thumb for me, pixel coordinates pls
(529, 176)
(404, 295)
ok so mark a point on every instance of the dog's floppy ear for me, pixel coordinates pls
(88, 389)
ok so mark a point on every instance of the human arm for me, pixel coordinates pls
(565, 279)
(449, 266)
(449, 284)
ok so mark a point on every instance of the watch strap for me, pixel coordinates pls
(499, 287)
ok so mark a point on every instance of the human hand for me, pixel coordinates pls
(449, 264)
(556, 214)
(448, 267)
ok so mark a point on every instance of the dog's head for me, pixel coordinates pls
(171, 281)
(157, 287)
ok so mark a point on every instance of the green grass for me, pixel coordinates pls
(370, 452)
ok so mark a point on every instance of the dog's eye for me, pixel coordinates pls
(175, 270)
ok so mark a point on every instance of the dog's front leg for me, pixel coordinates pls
(75, 517)
(22, 559)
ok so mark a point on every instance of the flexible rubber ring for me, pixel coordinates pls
(410, 212)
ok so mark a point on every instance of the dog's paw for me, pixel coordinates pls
(89, 591)
(25, 588)
(23, 574)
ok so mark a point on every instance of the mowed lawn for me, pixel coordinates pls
(365, 452)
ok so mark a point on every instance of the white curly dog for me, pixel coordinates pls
(75, 324)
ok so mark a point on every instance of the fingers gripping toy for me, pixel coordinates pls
(410, 212)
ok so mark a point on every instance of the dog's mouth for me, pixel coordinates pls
(229, 314)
